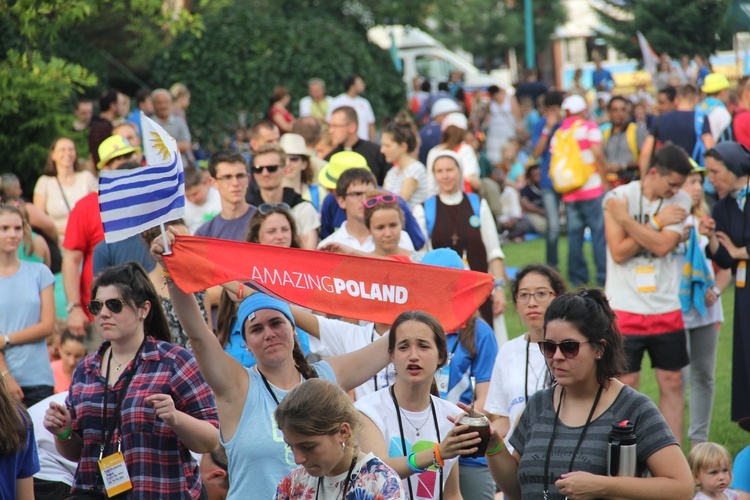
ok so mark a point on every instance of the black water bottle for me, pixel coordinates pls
(621, 457)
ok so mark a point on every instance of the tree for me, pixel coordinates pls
(253, 45)
(489, 28)
(673, 26)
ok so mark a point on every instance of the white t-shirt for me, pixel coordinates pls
(197, 215)
(55, 207)
(341, 337)
(365, 115)
(341, 235)
(469, 164)
(394, 181)
(719, 119)
(53, 467)
(511, 205)
(379, 408)
(305, 217)
(622, 279)
(305, 106)
(506, 395)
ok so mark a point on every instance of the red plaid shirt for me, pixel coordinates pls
(159, 464)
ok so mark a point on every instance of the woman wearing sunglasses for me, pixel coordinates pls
(464, 223)
(27, 313)
(520, 370)
(139, 404)
(560, 442)
(247, 397)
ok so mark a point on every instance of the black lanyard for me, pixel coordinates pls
(268, 386)
(453, 350)
(403, 440)
(580, 439)
(640, 207)
(121, 397)
(346, 482)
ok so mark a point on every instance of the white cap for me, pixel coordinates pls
(457, 120)
(443, 106)
(574, 104)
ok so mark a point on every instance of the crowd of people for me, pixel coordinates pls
(116, 383)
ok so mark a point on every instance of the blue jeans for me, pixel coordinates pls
(551, 202)
(582, 214)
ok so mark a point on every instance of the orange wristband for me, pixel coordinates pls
(241, 291)
(438, 458)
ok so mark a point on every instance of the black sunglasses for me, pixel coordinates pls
(114, 305)
(268, 208)
(568, 348)
(270, 168)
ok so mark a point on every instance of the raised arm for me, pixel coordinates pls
(357, 367)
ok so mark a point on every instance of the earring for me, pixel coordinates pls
(343, 446)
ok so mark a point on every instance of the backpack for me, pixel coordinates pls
(567, 170)
(430, 210)
(701, 114)
(630, 136)
(315, 196)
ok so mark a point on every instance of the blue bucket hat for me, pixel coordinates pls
(258, 301)
(443, 257)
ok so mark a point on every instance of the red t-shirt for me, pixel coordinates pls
(741, 125)
(83, 233)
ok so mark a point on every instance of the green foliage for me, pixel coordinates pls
(251, 46)
(488, 28)
(34, 91)
(673, 26)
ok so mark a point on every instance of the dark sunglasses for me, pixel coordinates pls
(269, 208)
(270, 168)
(384, 199)
(114, 305)
(568, 348)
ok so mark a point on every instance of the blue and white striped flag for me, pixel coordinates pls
(132, 201)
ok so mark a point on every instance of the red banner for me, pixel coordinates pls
(353, 287)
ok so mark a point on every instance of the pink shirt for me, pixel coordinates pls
(587, 134)
(62, 381)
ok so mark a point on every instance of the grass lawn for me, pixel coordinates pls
(723, 430)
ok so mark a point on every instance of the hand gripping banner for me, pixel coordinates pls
(353, 287)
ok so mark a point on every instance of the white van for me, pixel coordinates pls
(422, 55)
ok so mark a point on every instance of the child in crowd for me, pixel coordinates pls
(711, 465)
(203, 201)
(71, 351)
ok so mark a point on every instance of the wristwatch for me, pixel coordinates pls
(500, 283)
(69, 308)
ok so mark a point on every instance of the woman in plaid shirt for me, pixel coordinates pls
(138, 395)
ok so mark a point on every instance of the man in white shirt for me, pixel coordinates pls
(355, 86)
(317, 104)
(351, 189)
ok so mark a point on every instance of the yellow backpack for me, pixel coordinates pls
(567, 170)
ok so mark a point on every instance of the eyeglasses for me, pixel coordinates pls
(539, 296)
(568, 348)
(294, 158)
(355, 194)
(269, 168)
(268, 208)
(114, 305)
(383, 199)
(230, 178)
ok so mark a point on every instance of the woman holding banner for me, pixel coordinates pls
(247, 397)
(462, 222)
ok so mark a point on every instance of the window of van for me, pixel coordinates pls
(434, 68)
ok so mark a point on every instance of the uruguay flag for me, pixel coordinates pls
(132, 201)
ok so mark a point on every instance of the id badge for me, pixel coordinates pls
(442, 377)
(741, 274)
(115, 474)
(645, 279)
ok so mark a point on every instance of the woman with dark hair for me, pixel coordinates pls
(299, 171)
(408, 422)
(322, 427)
(560, 442)
(247, 397)
(62, 184)
(138, 404)
(18, 454)
(520, 370)
(408, 176)
(278, 112)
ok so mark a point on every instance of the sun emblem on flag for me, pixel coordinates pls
(159, 145)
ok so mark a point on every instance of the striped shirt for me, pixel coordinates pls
(534, 431)
(588, 134)
(158, 462)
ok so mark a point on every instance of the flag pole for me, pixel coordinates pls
(167, 250)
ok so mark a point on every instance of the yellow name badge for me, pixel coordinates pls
(645, 279)
(115, 474)
(741, 274)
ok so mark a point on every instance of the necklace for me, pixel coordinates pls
(412, 423)
(119, 364)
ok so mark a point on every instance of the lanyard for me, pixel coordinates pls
(110, 430)
(580, 439)
(346, 482)
(640, 207)
(526, 377)
(403, 440)
(268, 386)
(453, 350)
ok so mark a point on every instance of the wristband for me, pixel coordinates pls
(495, 451)
(437, 460)
(65, 435)
(500, 283)
(716, 291)
(652, 222)
(411, 461)
(4, 373)
(240, 292)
